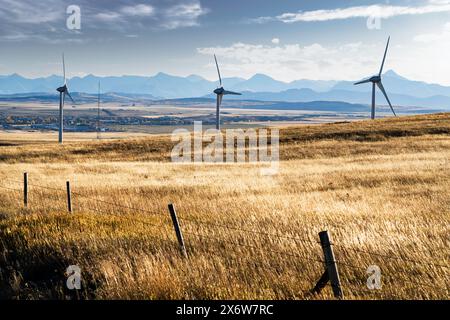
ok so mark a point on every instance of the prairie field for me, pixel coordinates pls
(381, 188)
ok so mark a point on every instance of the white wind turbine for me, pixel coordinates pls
(220, 92)
(376, 81)
(63, 91)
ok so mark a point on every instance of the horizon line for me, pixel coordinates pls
(204, 78)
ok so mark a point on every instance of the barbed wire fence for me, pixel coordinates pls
(336, 271)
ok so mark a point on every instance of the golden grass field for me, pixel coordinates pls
(381, 188)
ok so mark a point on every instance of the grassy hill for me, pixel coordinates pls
(381, 188)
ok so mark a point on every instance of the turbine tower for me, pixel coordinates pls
(98, 112)
(62, 95)
(220, 92)
(376, 81)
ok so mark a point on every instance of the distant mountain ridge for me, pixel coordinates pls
(259, 87)
(307, 95)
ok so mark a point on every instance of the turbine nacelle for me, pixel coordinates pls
(62, 89)
(219, 91)
(375, 79)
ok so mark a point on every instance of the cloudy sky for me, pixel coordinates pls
(287, 40)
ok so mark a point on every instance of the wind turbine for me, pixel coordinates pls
(220, 92)
(62, 95)
(376, 81)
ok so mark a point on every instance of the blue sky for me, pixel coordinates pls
(288, 40)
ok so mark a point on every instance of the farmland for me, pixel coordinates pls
(381, 188)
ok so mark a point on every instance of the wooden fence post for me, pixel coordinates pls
(178, 232)
(331, 273)
(69, 198)
(25, 189)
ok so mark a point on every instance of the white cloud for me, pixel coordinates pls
(275, 40)
(380, 11)
(140, 10)
(427, 60)
(294, 61)
(44, 20)
(30, 12)
(443, 35)
(27, 20)
(143, 10)
(17, 36)
(183, 15)
(172, 17)
(439, 1)
(108, 16)
(351, 61)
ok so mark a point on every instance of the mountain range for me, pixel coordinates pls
(401, 90)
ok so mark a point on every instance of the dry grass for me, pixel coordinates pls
(381, 188)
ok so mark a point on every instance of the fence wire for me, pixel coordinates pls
(235, 244)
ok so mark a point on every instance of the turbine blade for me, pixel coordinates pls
(232, 93)
(67, 92)
(218, 70)
(380, 86)
(384, 58)
(64, 69)
(362, 81)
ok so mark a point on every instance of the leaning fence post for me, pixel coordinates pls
(176, 226)
(69, 198)
(25, 189)
(331, 271)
